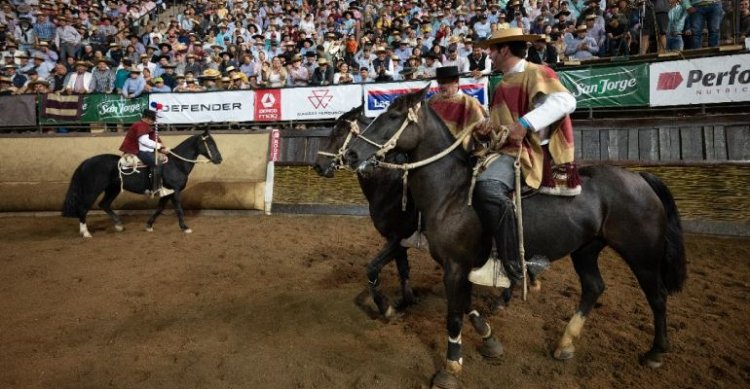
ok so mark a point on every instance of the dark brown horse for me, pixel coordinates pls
(634, 214)
(383, 192)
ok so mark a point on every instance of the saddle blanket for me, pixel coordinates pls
(132, 162)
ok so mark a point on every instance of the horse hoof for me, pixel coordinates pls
(491, 348)
(119, 227)
(565, 353)
(149, 229)
(444, 380)
(390, 313)
(536, 286)
(187, 231)
(86, 235)
(652, 360)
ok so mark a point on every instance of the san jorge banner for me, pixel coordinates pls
(379, 96)
(101, 108)
(612, 86)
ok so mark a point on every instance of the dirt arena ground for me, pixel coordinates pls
(271, 302)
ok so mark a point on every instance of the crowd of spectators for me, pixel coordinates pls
(81, 46)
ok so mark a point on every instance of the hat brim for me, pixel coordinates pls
(514, 38)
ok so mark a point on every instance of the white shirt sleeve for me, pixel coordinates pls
(145, 141)
(552, 109)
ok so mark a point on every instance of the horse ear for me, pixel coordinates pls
(205, 132)
(422, 94)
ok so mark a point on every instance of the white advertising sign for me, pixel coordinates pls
(181, 108)
(700, 81)
(319, 102)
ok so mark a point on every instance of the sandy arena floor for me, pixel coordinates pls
(271, 302)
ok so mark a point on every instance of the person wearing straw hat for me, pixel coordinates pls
(134, 85)
(81, 81)
(533, 105)
(580, 45)
(142, 140)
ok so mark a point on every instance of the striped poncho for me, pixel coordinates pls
(515, 96)
(458, 112)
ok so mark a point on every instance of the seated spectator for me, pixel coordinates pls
(159, 86)
(542, 52)
(103, 77)
(363, 76)
(343, 76)
(134, 85)
(18, 80)
(39, 86)
(6, 86)
(298, 74)
(323, 74)
(81, 81)
(580, 46)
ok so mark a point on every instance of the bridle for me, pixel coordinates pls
(208, 151)
(390, 144)
(337, 159)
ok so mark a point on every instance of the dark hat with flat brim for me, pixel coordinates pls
(444, 72)
(147, 113)
(165, 45)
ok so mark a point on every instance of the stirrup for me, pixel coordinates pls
(490, 274)
(416, 240)
(163, 192)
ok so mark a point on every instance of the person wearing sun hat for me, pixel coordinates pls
(80, 81)
(534, 106)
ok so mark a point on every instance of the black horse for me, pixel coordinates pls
(634, 214)
(101, 174)
(383, 191)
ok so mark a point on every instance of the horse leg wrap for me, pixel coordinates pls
(480, 325)
(454, 350)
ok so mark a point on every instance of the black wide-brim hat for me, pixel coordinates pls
(447, 72)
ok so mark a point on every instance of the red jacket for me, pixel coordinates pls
(130, 143)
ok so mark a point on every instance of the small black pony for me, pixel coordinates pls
(634, 214)
(101, 174)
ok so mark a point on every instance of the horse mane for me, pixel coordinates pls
(407, 100)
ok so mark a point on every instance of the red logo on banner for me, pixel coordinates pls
(320, 98)
(275, 146)
(268, 105)
(669, 81)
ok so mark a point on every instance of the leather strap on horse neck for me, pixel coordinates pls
(208, 150)
(338, 159)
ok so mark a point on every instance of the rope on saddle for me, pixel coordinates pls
(497, 140)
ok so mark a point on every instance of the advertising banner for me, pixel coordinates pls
(267, 105)
(319, 102)
(379, 96)
(18, 111)
(225, 106)
(616, 86)
(98, 108)
(701, 81)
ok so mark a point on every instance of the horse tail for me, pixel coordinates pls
(73, 199)
(673, 267)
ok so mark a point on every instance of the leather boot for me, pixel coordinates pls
(495, 210)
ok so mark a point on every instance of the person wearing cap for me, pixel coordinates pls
(81, 81)
(533, 105)
(142, 140)
(298, 74)
(430, 66)
(68, 39)
(159, 86)
(580, 45)
(103, 77)
(363, 76)
(134, 85)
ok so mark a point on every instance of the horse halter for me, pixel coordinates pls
(208, 151)
(412, 116)
(337, 160)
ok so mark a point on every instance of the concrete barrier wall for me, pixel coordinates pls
(35, 172)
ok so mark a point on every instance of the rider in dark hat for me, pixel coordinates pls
(142, 140)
